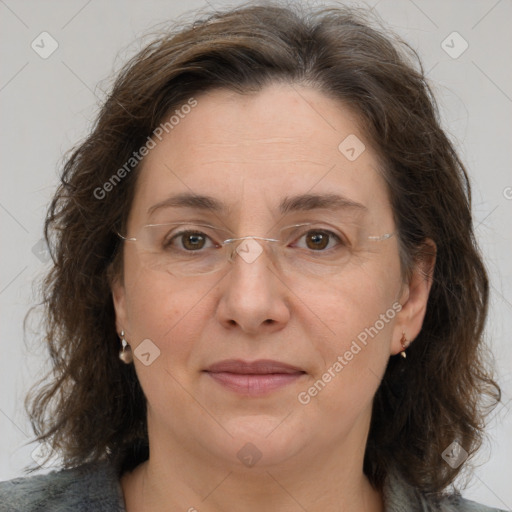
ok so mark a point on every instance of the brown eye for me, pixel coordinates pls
(317, 240)
(192, 240)
(186, 241)
(320, 239)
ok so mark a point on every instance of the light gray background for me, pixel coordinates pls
(48, 105)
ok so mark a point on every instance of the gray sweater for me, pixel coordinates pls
(96, 488)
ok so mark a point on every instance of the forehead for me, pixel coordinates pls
(250, 151)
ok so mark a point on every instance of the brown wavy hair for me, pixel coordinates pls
(92, 407)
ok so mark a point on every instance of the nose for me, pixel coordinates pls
(254, 297)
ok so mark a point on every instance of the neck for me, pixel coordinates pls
(312, 480)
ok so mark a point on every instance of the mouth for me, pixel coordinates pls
(254, 378)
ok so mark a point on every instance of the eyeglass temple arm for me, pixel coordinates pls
(128, 239)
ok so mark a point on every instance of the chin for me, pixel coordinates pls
(261, 441)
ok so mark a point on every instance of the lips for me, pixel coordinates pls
(260, 367)
(254, 378)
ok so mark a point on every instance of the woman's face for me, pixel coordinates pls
(335, 324)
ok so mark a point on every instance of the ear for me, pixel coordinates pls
(414, 297)
(119, 298)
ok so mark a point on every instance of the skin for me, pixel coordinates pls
(250, 151)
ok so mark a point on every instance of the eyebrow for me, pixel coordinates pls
(302, 202)
(306, 202)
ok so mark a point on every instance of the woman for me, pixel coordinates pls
(266, 292)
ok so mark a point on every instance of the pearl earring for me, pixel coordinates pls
(125, 354)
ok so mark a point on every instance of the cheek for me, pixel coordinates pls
(360, 312)
(356, 299)
(168, 313)
(173, 318)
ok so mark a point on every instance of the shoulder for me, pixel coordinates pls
(401, 497)
(87, 488)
